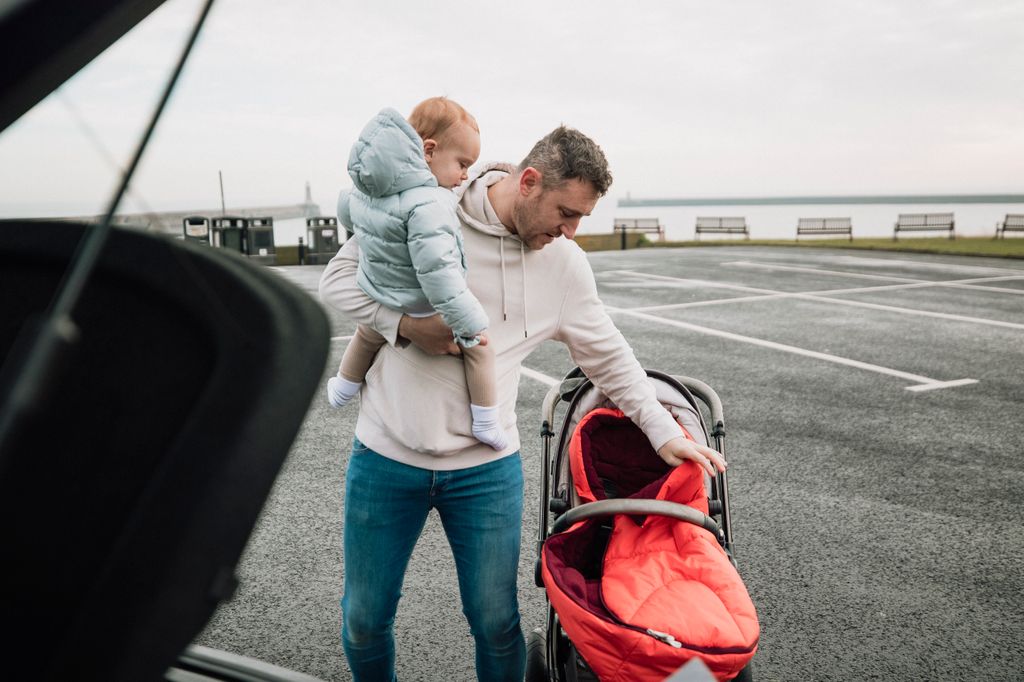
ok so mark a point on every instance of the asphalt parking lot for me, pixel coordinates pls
(874, 435)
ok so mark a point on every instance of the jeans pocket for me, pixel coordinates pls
(359, 448)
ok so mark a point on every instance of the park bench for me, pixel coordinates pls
(1014, 222)
(722, 225)
(922, 222)
(824, 226)
(623, 226)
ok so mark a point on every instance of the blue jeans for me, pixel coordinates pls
(386, 505)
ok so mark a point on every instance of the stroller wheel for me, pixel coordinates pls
(536, 663)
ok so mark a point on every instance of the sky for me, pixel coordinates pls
(687, 99)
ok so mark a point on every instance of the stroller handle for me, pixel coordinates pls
(619, 507)
(708, 396)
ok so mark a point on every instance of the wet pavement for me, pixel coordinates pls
(872, 406)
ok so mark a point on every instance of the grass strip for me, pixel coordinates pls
(1010, 247)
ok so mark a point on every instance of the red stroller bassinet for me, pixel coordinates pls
(636, 570)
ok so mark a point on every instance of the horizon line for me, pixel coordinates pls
(628, 202)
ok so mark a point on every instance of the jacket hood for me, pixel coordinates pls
(388, 157)
(472, 196)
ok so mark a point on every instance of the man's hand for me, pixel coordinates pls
(681, 448)
(431, 335)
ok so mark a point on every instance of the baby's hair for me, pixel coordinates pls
(433, 117)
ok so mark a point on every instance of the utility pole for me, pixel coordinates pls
(223, 211)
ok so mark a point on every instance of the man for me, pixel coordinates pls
(414, 449)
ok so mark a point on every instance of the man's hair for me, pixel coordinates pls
(432, 118)
(567, 154)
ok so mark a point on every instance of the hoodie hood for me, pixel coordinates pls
(388, 157)
(474, 209)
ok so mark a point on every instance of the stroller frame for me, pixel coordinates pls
(556, 514)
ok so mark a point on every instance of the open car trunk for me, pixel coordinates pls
(134, 466)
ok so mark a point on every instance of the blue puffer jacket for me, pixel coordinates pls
(410, 244)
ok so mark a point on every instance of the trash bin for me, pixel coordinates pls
(321, 239)
(196, 229)
(261, 240)
(231, 232)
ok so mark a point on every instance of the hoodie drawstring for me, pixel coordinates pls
(504, 282)
(522, 261)
(501, 257)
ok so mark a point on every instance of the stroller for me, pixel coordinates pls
(635, 556)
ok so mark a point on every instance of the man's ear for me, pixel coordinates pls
(529, 181)
(429, 146)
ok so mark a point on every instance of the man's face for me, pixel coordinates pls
(542, 216)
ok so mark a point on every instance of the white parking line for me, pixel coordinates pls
(694, 283)
(817, 271)
(811, 296)
(537, 376)
(341, 338)
(914, 311)
(715, 301)
(941, 384)
(921, 383)
(868, 262)
(971, 283)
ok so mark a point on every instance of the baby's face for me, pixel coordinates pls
(450, 160)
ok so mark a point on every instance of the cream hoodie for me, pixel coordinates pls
(415, 407)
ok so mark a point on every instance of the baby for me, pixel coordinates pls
(410, 243)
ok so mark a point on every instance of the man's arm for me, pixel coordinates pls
(431, 335)
(599, 348)
(338, 289)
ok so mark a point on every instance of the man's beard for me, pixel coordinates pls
(524, 213)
